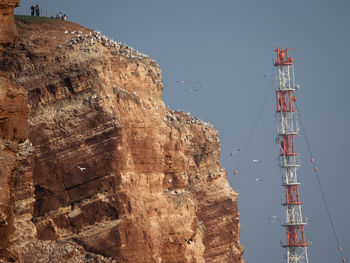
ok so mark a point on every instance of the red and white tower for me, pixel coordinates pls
(289, 160)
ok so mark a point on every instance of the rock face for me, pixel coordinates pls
(14, 161)
(8, 31)
(98, 169)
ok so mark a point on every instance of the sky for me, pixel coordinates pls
(227, 47)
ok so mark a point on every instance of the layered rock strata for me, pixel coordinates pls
(8, 30)
(104, 171)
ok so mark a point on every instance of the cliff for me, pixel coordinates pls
(8, 31)
(94, 166)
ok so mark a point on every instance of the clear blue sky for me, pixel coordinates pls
(226, 46)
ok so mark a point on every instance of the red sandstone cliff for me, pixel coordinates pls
(8, 31)
(153, 189)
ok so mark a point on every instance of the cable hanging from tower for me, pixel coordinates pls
(254, 128)
(312, 159)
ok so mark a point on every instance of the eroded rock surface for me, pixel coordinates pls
(106, 172)
(8, 31)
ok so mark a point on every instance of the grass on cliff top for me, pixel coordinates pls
(34, 19)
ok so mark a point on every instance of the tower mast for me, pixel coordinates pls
(289, 160)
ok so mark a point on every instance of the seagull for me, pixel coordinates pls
(234, 152)
(66, 31)
(258, 179)
(81, 168)
(267, 74)
(255, 161)
(183, 81)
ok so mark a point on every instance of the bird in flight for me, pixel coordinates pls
(255, 161)
(235, 152)
(81, 168)
(258, 179)
(194, 88)
(183, 81)
(267, 74)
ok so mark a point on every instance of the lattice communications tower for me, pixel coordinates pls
(289, 160)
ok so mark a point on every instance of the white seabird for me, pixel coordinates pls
(81, 168)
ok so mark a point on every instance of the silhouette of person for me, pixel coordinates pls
(37, 10)
(32, 10)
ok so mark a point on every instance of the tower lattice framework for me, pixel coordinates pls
(289, 160)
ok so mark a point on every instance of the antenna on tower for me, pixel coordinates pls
(289, 160)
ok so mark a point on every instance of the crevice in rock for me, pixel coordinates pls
(68, 84)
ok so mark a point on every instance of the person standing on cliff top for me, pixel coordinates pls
(32, 10)
(37, 10)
